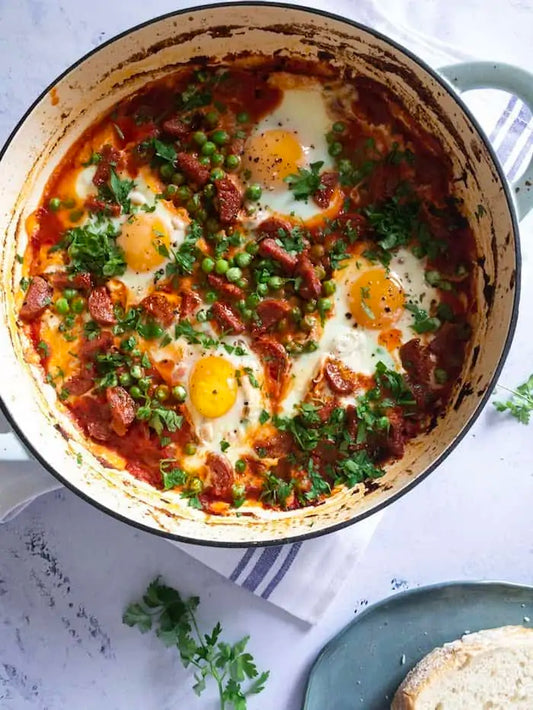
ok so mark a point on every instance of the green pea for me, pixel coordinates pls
(242, 283)
(211, 118)
(166, 171)
(161, 393)
(329, 287)
(78, 305)
(296, 313)
(210, 191)
(243, 117)
(253, 300)
(54, 204)
(345, 166)
(208, 265)
(252, 248)
(324, 304)
(179, 393)
(339, 127)
(184, 192)
(208, 148)
(221, 266)
(217, 174)
(240, 466)
(178, 179)
(125, 379)
(220, 137)
(210, 297)
(262, 289)
(217, 159)
(199, 137)
(136, 372)
(241, 304)
(135, 392)
(233, 274)
(239, 134)
(318, 250)
(310, 306)
(247, 314)
(335, 149)
(320, 271)
(171, 190)
(62, 306)
(253, 192)
(75, 215)
(308, 323)
(275, 282)
(144, 383)
(201, 316)
(70, 293)
(232, 161)
(196, 485)
(69, 203)
(243, 259)
(205, 160)
(190, 449)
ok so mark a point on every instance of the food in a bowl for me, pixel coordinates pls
(251, 284)
(487, 669)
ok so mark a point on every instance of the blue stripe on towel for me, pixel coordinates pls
(509, 141)
(262, 567)
(503, 118)
(521, 156)
(242, 564)
(282, 570)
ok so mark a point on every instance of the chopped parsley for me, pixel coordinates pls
(93, 248)
(422, 321)
(306, 182)
(194, 337)
(520, 403)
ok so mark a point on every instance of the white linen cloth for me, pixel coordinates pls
(302, 578)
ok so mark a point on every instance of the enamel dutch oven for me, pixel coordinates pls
(122, 66)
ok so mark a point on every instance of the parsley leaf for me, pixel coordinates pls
(356, 468)
(117, 191)
(306, 182)
(393, 222)
(423, 323)
(184, 257)
(276, 491)
(165, 151)
(194, 337)
(230, 666)
(520, 404)
(93, 248)
(319, 485)
(171, 475)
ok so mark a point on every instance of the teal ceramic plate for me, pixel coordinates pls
(366, 662)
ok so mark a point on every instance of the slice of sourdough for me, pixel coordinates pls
(487, 670)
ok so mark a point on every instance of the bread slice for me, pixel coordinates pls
(487, 670)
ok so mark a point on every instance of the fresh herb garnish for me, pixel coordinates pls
(229, 666)
(165, 151)
(520, 404)
(93, 248)
(184, 257)
(306, 182)
(251, 377)
(194, 337)
(423, 322)
(172, 476)
(276, 491)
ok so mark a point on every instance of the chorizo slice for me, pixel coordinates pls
(110, 158)
(323, 195)
(270, 249)
(193, 168)
(340, 379)
(101, 306)
(221, 475)
(225, 287)
(79, 384)
(159, 307)
(175, 127)
(416, 360)
(226, 317)
(60, 279)
(190, 301)
(270, 312)
(276, 363)
(273, 227)
(37, 298)
(229, 200)
(311, 286)
(122, 407)
(100, 343)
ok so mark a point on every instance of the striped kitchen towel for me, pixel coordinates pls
(301, 578)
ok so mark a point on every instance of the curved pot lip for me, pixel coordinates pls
(510, 333)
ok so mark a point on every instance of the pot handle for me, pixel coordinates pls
(489, 75)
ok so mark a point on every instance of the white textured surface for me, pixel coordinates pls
(67, 571)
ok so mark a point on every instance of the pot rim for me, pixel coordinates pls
(35, 453)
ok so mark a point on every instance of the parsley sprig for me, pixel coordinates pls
(520, 404)
(93, 248)
(306, 182)
(230, 666)
(422, 321)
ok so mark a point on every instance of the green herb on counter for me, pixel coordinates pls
(520, 404)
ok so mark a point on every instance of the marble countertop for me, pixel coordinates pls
(67, 571)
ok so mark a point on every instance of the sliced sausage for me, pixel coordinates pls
(193, 169)
(98, 430)
(270, 312)
(277, 445)
(175, 127)
(159, 307)
(100, 343)
(271, 228)
(110, 158)
(311, 285)
(323, 195)
(60, 279)
(229, 200)
(395, 441)
(340, 379)
(224, 287)
(37, 298)
(93, 204)
(79, 384)
(101, 306)
(122, 408)
(221, 475)
(276, 363)
(190, 301)
(270, 249)
(416, 360)
(226, 317)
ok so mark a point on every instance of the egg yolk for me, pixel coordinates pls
(213, 386)
(141, 239)
(271, 156)
(376, 299)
